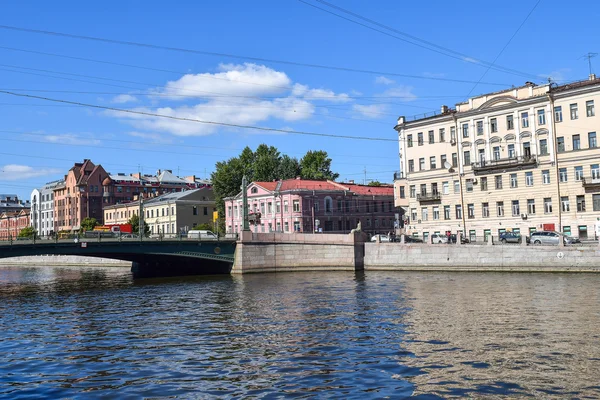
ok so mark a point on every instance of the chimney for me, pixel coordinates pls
(444, 109)
(592, 77)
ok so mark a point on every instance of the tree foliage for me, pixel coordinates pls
(317, 165)
(204, 227)
(28, 232)
(374, 183)
(134, 221)
(88, 224)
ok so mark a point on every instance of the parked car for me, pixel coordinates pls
(463, 239)
(510, 237)
(408, 239)
(384, 238)
(439, 238)
(129, 236)
(552, 238)
(202, 235)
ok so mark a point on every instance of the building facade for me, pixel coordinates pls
(42, 208)
(170, 214)
(10, 203)
(522, 159)
(12, 222)
(298, 205)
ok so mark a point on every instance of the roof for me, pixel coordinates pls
(167, 176)
(328, 186)
(371, 190)
(270, 186)
(175, 196)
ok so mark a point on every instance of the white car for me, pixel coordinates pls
(384, 238)
(438, 238)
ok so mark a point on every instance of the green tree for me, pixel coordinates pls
(134, 221)
(317, 165)
(289, 168)
(88, 224)
(204, 227)
(27, 232)
(266, 163)
(374, 183)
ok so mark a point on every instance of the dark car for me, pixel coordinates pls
(510, 237)
(463, 239)
(408, 239)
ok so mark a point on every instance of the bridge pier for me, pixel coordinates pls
(161, 266)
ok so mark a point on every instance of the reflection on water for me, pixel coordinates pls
(68, 332)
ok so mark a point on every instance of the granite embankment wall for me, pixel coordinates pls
(281, 252)
(61, 261)
(424, 257)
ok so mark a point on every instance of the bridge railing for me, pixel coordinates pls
(124, 238)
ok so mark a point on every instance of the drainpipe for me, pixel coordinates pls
(556, 169)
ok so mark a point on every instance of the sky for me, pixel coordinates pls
(332, 68)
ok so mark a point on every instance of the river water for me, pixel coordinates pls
(97, 333)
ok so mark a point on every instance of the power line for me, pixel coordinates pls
(413, 39)
(290, 131)
(217, 54)
(505, 46)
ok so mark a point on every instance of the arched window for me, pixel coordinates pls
(328, 204)
(254, 190)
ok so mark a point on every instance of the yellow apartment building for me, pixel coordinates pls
(521, 159)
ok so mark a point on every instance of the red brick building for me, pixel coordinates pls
(12, 222)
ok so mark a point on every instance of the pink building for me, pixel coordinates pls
(12, 222)
(298, 205)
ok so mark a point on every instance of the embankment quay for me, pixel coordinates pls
(275, 252)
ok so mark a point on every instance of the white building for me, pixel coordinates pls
(42, 208)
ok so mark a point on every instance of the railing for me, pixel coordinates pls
(504, 163)
(591, 182)
(434, 196)
(398, 175)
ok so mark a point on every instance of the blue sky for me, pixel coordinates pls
(40, 140)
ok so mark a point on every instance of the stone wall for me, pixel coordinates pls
(394, 256)
(49, 260)
(279, 252)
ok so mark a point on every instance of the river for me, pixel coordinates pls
(97, 333)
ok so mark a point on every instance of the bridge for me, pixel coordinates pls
(149, 257)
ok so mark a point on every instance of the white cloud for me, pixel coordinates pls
(208, 97)
(15, 172)
(382, 80)
(371, 110)
(69, 138)
(402, 92)
(124, 98)
(470, 60)
(151, 137)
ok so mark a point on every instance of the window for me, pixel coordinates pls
(485, 210)
(411, 165)
(544, 147)
(471, 211)
(431, 137)
(483, 183)
(413, 214)
(432, 164)
(269, 208)
(510, 123)
(560, 142)
(446, 212)
(525, 120)
(496, 152)
(454, 160)
(409, 141)
(589, 108)
(413, 191)
(595, 171)
(278, 204)
(562, 174)
(423, 189)
(296, 226)
(574, 112)
(511, 151)
(402, 196)
(500, 208)
(469, 185)
(445, 188)
(286, 226)
(465, 130)
(578, 173)
(285, 206)
(479, 127)
(498, 180)
(453, 133)
(467, 157)
(420, 138)
(592, 140)
(421, 164)
(596, 202)
(576, 142)
(262, 208)
(546, 176)
(531, 206)
(456, 187)
(458, 210)
(296, 205)
(443, 161)
(194, 210)
(424, 214)
(581, 203)
(547, 205)
(558, 114)
(436, 212)
(442, 135)
(515, 208)
(434, 188)
(564, 203)
(494, 125)
(513, 180)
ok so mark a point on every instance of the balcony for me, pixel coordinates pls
(504, 164)
(591, 184)
(429, 197)
(398, 175)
